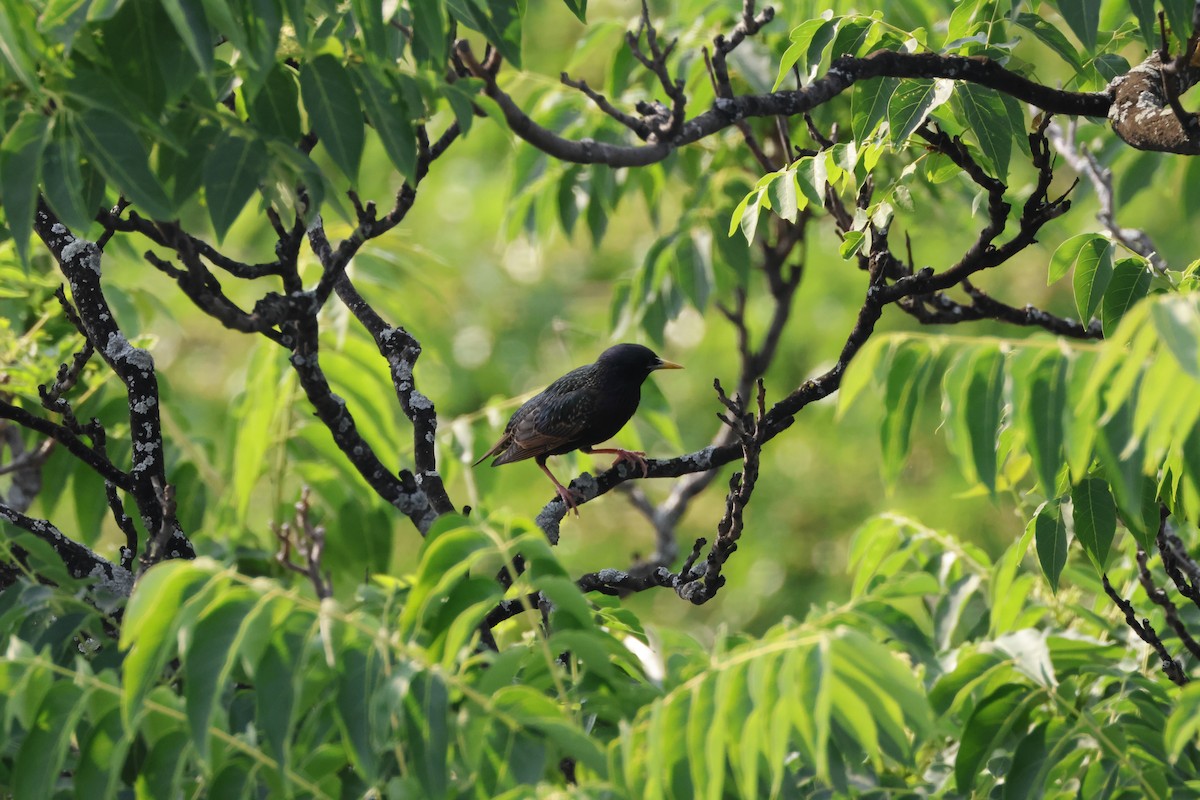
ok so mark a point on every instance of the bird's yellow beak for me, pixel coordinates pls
(664, 364)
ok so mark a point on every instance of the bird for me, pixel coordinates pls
(582, 408)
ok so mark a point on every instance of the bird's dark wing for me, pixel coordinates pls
(549, 422)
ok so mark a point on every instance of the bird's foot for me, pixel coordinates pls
(634, 457)
(569, 497)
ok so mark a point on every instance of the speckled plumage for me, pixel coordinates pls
(580, 409)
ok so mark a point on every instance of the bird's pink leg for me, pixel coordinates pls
(636, 457)
(568, 496)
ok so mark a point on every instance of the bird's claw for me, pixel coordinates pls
(634, 457)
(569, 496)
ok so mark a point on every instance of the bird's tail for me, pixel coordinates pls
(496, 448)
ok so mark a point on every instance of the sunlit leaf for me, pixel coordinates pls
(1050, 535)
(1177, 321)
(870, 105)
(1064, 257)
(985, 116)
(1095, 516)
(1130, 283)
(1093, 271)
(1183, 725)
(911, 103)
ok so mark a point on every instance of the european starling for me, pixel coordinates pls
(583, 407)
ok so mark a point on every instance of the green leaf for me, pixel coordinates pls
(1023, 779)
(355, 677)
(1050, 536)
(1122, 457)
(854, 35)
(811, 175)
(985, 115)
(1183, 725)
(429, 32)
(799, 51)
(1083, 16)
(785, 200)
(1130, 283)
(1050, 36)
(461, 103)
(498, 20)
(1064, 257)
(1040, 415)
(852, 242)
(427, 704)
(960, 25)
(746, 214)
(15, 45)
(232, 172)
(869, 105)
(389, 116)
(334, 111)
(1095, 519)
(275, 109)
(62, 19)
(534, 710)
(1144, 525)
(62, 183)
(985, 728)
(38, 762)
(190, 22)
(1177, 321)
(1145, 11)
(1081, 414)
(151, 618)
(368, 16)
(911, 366)
(209, 658)
(692, 272)
(568, 204)
(1179, 17)
(911, 103)
(1093, 271)
(105, 745)
(115, 148)
(159, 775)
(147, 58)
(568, 602)
(578, 8)
(273, 709)
(864, 370)
(984, 401)
(20, 161)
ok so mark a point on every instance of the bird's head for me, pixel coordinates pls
(634, 360)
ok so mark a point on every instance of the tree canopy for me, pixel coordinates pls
(275, 273)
